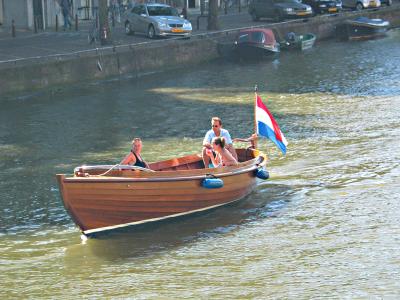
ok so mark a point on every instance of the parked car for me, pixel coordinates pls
(279, 10)
(154, 19)
(324, 6)
(387, 2)
(361, 4)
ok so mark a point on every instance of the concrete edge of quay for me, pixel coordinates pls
(137, 60)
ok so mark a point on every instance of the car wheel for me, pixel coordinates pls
(359, 6)
(151, 33)
(128, 29)
(254, 16)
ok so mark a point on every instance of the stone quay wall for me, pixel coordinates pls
(147, 58)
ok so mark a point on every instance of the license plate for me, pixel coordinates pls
(372, 3)
(332, 9)
(176, 30)
(301, 13)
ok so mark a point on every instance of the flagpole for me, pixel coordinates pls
(254, 142)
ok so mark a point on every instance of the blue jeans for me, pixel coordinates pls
(67, 22)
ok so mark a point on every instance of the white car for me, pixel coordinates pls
(154, 19)
(361, 4)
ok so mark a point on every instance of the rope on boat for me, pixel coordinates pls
(131, 167)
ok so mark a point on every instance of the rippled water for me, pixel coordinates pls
(325, 225)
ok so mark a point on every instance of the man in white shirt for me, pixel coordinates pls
(215, 131)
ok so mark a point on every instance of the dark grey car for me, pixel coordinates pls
(278, 10)
(154, 19)
(324, 6)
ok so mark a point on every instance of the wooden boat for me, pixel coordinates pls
(298, 42)
(362, 28)
(256, 43)
(101, 198)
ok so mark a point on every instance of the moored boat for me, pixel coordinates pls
(256, 43)
(101, 198)
(298, 42)
(362, 28)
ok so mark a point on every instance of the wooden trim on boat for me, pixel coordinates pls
(94, 178)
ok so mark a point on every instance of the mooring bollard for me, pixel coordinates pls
(13, 28)
(35, 23)
(56, 23)
(185, 12)
(198, 20)
(76, 22)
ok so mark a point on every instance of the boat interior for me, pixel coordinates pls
(188, 162)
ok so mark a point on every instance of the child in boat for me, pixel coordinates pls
(223, 157)
(251, 139)
(134, 158)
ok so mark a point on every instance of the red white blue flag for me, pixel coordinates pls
(267, 126)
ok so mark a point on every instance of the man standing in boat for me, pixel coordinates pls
(216, 131)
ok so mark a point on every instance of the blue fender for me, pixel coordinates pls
(212, 183)
(262, 173)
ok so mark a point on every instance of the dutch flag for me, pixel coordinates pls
(267, 126)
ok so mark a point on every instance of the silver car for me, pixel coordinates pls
(361, 4)
(156, 19)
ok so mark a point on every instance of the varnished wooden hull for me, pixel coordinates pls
(124, 198)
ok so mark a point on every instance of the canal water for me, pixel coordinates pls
(326, 224)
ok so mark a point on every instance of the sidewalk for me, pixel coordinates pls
(28, 44)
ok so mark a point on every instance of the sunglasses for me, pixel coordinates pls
(215, 126)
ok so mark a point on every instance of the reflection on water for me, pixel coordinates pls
(326, 223)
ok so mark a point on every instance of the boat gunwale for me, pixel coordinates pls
(257, 162)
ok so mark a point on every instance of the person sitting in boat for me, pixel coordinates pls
(216, 131)
(251, 139)
(291, 37)
(134, 158)
(223, 157)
